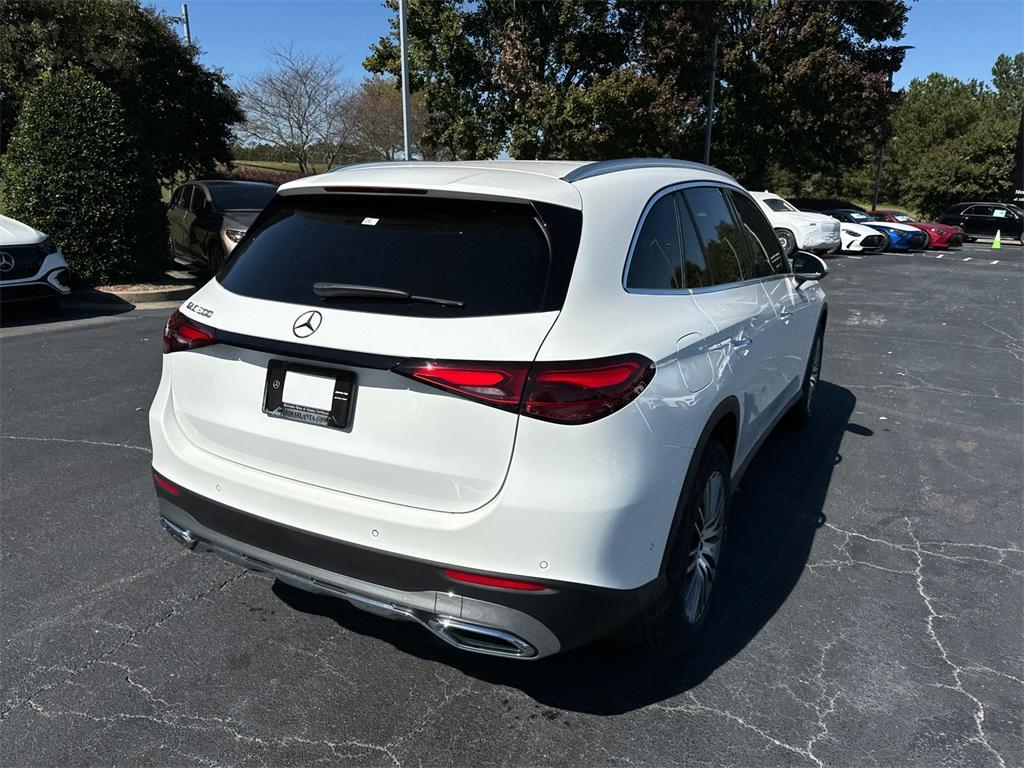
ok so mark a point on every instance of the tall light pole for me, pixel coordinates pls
(884, 138)
(406, 131)
(711, 100)
(184, 20)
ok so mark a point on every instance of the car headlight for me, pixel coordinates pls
(851, 233)
(234, 235)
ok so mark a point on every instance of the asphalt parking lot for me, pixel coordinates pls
(869, 613)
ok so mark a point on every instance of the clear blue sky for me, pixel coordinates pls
(956, 37)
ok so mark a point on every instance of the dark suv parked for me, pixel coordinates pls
(207, 218)
(986, 218)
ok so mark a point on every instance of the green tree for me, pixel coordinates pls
(955, 140)
(75, 171)
(546, 79)
(182, 111)
(803, 84)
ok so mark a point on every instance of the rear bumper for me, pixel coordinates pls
(493, 621)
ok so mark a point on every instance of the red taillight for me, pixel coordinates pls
(492, 581)
(574, 392)
(498, 384)
(584, 391)
(180, 333)
(165, 484)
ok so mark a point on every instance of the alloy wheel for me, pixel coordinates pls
(705, 546)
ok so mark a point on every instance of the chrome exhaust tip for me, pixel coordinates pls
(182, 535)
(480, 639)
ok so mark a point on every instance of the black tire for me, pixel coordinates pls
(800, 414)
(670, 626)
(787, 240)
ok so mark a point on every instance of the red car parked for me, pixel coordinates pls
(939, 235)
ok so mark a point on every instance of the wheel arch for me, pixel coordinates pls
(723, 425)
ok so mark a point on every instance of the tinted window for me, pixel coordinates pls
(979, 210)
(778, 205)
(494, 257)
(722, 239)
(766, 253)
(241, 197)
(657, 263)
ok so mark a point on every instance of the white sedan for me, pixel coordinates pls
(31, 265)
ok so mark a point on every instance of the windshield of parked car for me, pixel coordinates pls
(857, 215)
(241, 197)
(901, 216)
(779, 205)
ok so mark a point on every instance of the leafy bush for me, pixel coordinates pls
(74, 169)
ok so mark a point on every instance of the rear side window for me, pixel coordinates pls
(766, 253)
(724, 242)
(657, 263)
(980, 210)
(496, 258)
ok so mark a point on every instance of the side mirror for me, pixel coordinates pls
(807, 267)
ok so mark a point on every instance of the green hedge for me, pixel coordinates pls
(74, 169)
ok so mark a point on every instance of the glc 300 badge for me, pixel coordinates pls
(307, 323)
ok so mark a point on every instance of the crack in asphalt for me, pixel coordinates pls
(176, 605)
(919, 552)
(98, 443)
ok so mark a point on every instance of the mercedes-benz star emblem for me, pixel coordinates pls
(307, 323)
(6, 261)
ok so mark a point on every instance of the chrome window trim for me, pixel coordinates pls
(670, 189)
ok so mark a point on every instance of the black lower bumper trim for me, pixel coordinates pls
(576, 614)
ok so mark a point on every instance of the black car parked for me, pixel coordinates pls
(986, 218)
(207, 218)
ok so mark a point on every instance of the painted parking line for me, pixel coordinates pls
(968, 258)
(996, 261)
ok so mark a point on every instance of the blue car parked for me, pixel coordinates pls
(902, 237)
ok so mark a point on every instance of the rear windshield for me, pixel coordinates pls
(495, 258)
(241, 197)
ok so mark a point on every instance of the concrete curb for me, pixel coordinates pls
(177, 293)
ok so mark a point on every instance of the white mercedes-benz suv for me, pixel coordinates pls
(31, 265)
(507, 401)
(803, 230)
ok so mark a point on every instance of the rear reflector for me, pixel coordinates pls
(165, 484)
(573, 392)
(180, 333)
(492, 581)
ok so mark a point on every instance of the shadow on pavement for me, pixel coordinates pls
(79, 305)
(776, 513)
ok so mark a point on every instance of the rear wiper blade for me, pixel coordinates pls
(348, 291)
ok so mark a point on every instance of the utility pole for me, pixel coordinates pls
(184, 20)
(406, 130)
(711, 100)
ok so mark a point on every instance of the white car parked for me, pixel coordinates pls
(31, 265)
(799, 230)
(856, 238)
(507, 401)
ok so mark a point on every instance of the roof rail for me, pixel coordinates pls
(612, 166)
